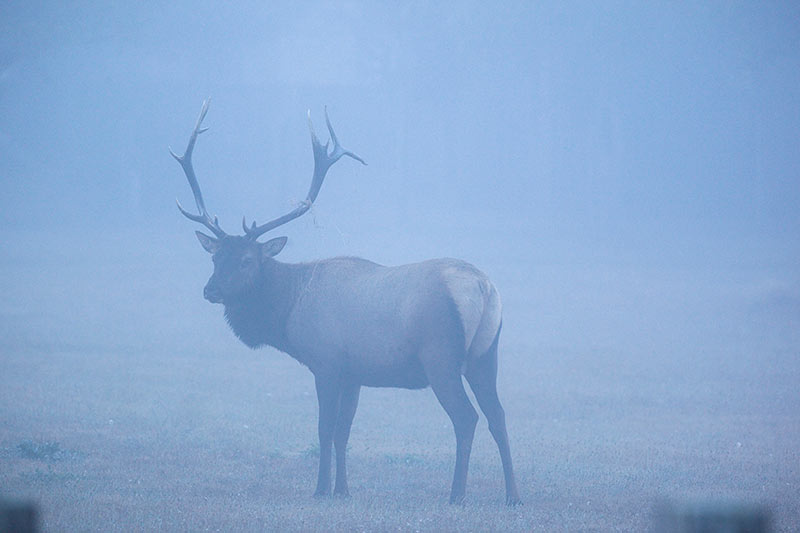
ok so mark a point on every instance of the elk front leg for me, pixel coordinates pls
(328, 399)
(347, 409)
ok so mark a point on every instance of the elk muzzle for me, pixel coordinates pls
(212, 293)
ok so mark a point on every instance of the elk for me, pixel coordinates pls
(355, 323)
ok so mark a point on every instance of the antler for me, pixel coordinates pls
(186, 162)
(322, 162)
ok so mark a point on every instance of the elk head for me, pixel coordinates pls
(239, 259)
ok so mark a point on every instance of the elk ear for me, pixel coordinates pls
(209, 244)
(273, 247)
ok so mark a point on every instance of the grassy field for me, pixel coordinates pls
(166, 429)
(141, 442)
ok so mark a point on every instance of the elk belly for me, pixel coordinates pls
(405, 372)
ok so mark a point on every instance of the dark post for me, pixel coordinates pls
(711, 517)
(17, 517)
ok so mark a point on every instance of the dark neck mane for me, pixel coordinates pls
(259, 317)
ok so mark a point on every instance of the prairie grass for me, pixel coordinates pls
(158, 442)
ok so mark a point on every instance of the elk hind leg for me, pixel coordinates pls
(481, 375)
(444, 374)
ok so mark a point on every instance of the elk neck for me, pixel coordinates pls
(259, 316)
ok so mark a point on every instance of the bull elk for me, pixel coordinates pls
(355, 323)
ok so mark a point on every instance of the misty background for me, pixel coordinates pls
(617, 158)
(628, 174)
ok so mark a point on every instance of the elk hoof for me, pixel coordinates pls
(344, 494)
(457, 499)
(320, 494)
(513, 501)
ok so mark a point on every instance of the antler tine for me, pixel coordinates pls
(322, 162)
(338, 151)
(186, 163)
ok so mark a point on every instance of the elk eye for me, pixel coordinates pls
(247, 262)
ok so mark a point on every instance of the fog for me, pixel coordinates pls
(627, 175)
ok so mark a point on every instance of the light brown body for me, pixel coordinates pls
(376, 319)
